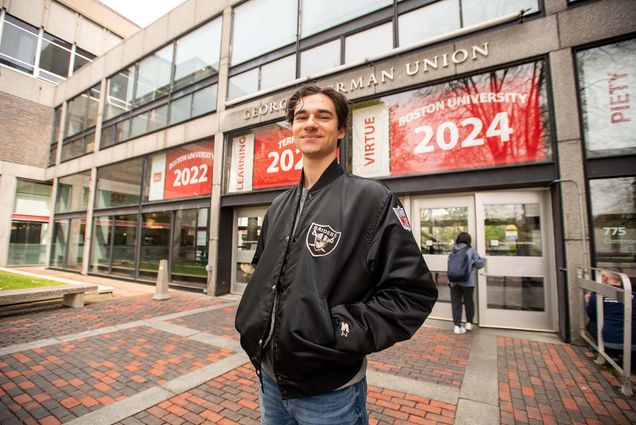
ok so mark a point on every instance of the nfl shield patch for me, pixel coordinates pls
(401, 215)
(322, 239)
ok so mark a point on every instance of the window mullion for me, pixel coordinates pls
(38, 48)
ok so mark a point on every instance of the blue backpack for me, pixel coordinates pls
(459, 265)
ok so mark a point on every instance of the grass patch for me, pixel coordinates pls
(10, 281)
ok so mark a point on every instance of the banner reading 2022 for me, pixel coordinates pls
(189, 171)
(484, 120)
(277, 162)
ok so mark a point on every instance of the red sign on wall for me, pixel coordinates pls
(277, 162)
(189, 171)
(485, 120)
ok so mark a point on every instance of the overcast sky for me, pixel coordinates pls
(142, 12)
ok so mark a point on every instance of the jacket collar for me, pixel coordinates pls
(332, 172)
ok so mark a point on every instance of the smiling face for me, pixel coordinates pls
(315, 127)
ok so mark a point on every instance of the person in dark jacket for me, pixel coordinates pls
(462, 292)
(613, 316)
(338, 276)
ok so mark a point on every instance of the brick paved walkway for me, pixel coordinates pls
(158, 368)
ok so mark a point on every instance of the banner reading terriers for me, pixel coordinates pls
(189, 171)
(484, 120)
(277, 162)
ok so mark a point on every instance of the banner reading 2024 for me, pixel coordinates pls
(481, 121)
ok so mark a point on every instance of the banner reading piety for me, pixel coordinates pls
(481, 121)
(277, 162)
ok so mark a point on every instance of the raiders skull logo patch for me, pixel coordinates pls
(322, 239)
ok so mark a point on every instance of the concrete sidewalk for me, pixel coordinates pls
(127, 359)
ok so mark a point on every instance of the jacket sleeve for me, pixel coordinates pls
(261, 242)
(403, 293)
(478, 260)
(591, 307)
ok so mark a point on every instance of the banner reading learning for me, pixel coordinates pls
(277, 162)
(485, 120)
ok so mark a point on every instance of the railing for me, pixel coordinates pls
(622, 295)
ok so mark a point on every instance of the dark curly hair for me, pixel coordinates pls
(463, 237)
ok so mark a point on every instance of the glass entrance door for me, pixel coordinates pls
(247, 229)
(517, 288)
(436, 223)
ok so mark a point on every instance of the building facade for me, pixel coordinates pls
(511, 120)
(42, 43)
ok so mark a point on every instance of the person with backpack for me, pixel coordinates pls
(461, 280)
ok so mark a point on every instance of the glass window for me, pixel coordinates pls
(278, 72)
(155, 243)
(321, 58)
(158, 118)
(476, 11)
(486, 120)
(120, 92)
(122, 131)
(124, 242)
(100, 251)
(607, 84)
(139, 125)
(154, 76)
(204, 100)
(77, 147)
(18, 44)
(515, 293)
(243, 84)
(27, 245)
(180, 109)
(32, 199)
(182, 172)
(320, 15)
(439, 228)
(58, 247)
(197, 54)
(72, 192)
(75, 114)
(513, 230)
(82, 57)
(429, 21)
(75, 254)
(261, 26)
(119, 184)
(55, 58)
(190, 246)
(369, 43)
(57, 118)
(108, 136)
(614, 220)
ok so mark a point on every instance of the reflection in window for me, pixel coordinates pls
(155, 243)
(261, 26)
(429, 21)
(120, 92)
(614, 219)
(243, 84)
(476, 11)
(441, 282)
(75, 254)
(606, 80)
(72, 192)
(321, 58)
(315, 19)
(27, 244)
(190, 246)
(513, 230)
(119, 184)
(18, 45)
(58, 247)
(81, 111)
(248, 231)
(77, 146)
(124, 242)
(369, 43)
(516, 293)
(154, 76)
(57, 118)
(197, 54)
(100, 251)
(278, 72)
(55, 57)
(440, 227)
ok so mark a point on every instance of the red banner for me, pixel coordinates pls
(484, 120)
(277, 162)
(189, 171)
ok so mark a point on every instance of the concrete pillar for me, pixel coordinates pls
(8, 185)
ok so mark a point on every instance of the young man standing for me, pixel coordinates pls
(338, 276)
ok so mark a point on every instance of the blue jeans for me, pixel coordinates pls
(346, 406)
